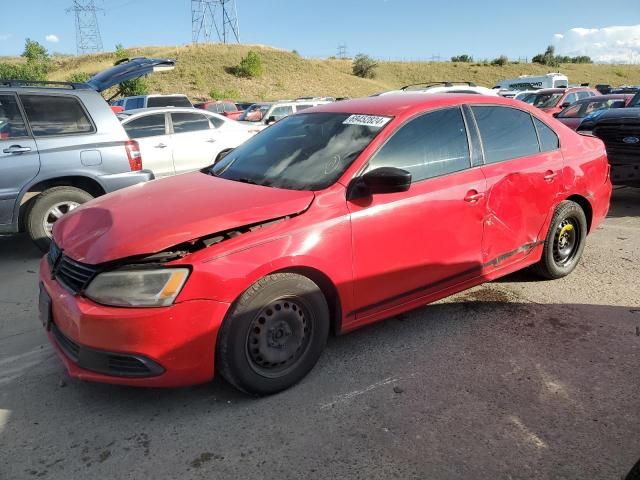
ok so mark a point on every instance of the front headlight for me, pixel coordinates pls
(137, 288)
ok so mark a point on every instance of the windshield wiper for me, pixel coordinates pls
(248, 180)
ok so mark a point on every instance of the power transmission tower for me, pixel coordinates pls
(220, 16)
(342, 51)
(88, 37)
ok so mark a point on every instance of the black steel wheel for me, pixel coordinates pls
(273, 334)
(564, 243)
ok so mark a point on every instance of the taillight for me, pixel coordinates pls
(133, 154)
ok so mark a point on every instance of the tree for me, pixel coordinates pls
(364, 66)
(130, 88)
(34, 52)
(78, 77)
(462, 58)
(501, 61)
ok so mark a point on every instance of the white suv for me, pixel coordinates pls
(443, 87)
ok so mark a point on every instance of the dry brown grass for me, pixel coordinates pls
(204, 67)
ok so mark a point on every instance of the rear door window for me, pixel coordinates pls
(184, 122)
(56, 115)
(431, 145)
(147, 126)
(11, 122)
(505, 133)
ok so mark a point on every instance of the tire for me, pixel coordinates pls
(63, 198)
(569, 224)
(273, 335)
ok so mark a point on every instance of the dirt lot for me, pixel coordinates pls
(515, 379)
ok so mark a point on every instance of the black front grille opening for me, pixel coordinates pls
(107, 363)
(73, 275)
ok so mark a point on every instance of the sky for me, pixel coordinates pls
(385, 29)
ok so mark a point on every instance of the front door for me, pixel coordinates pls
(19, 158)
(523, 167)
(411, 243)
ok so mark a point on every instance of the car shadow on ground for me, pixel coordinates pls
(625, 202)
(18, 247)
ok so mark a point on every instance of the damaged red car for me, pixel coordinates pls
(329, 220)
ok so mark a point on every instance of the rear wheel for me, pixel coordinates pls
(274, 334)
(47, 208)
(565, 241)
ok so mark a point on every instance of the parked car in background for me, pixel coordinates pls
(552, 100)
(223, 107)
(178, 140)
(243, 105)
(572, 115)
(628, 89)
(443, 87)
(261, 115)
(603, 88)
(619, 129)
(525, 96)
(156, 100)
(61, 145)
(243, 269)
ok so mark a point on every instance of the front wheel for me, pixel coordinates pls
(565, 242)
(47, 208)
(274, 334)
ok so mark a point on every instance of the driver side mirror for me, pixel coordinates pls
(556, 114)
(386, 180)
(271, 120)
(565, 104)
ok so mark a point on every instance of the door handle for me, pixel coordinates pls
(16, 149)
(550, 175)
(161, 145)
(473, 196)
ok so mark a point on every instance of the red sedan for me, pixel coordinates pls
(553, 100)
(331, 219)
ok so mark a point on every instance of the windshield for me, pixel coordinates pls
(169, 101)
(254, 113)
(545, 100)
(581, 110)
(526, 97)
(308, 151)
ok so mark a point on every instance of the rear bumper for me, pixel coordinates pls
(117, 181)
(148, 347)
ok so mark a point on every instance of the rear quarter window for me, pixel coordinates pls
(548, 138)
(56, 115)
(172, 101)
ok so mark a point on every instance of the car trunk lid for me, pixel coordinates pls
(129, 69)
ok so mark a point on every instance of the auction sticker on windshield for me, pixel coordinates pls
(367, 120)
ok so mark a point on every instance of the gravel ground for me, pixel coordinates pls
(518, 378)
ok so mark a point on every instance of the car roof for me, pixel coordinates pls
(402, 105)
(140, 111)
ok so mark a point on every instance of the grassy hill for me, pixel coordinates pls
(202, 68)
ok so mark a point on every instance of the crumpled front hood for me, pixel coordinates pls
(150, 217)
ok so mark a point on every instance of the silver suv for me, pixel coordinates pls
(60, 146)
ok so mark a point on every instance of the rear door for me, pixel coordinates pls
(408, 244)
(151, 133)
(194, 141)
(19, 159)
(523, 166)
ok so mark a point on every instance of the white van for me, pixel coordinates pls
(509, 88)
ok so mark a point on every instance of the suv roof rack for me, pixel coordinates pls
(43, 84)
(434, 84)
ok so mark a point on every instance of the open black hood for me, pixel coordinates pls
(128, 70)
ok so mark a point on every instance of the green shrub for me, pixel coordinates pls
(216, 94)
(501, 61)
(364, 66)
(462, 58)
(78, 77)
(249, 67)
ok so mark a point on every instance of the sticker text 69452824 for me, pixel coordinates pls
(367, 120)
